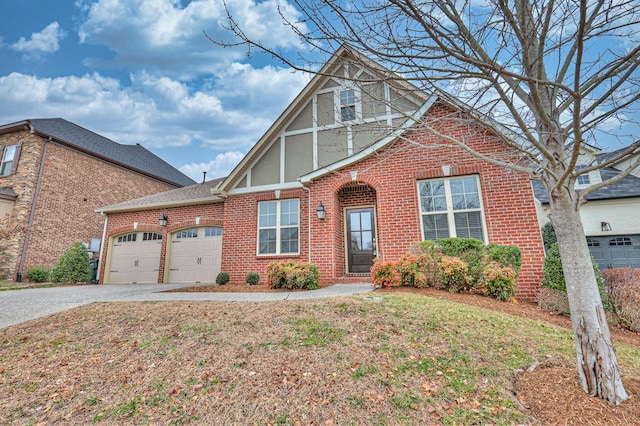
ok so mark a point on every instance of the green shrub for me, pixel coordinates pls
(454, 274)
(385, 274)
(548, 236)
(252, 278)
(623, 289)
(38, 274)
(470, 250)
(553, 275)
(293, 275)
(498, 281)
(505, 256)
(222, 278)
(73, 266)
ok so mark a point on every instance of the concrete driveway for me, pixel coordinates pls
(18, 306)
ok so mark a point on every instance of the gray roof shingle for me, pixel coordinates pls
(193, 194)
(626, 187)
(135, 157)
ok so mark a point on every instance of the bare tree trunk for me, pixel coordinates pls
(598, 371)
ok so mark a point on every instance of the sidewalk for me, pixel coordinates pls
(18, 306)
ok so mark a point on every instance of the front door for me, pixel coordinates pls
(361, 240)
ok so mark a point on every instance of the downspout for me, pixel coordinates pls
(104, 235)
(33, 209)
(309, 221)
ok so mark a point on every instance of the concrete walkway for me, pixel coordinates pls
(18, 306)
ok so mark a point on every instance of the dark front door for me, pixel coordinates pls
(361, 240)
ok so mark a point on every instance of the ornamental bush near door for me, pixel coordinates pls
(490, 270)
(293, 275)
(73, 266)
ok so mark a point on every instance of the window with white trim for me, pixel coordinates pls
(451, 207)
(279, 227)
(7, 164)
(348, 105)
(584, 178)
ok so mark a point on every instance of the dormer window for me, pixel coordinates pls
(583, 179)
(347, 105)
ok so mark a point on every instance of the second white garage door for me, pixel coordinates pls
(195, 255)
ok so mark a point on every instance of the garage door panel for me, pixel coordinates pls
(615, 251)
(195, 256)
(135, 261)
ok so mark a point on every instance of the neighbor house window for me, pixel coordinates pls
(583, 179)
(347, 105)
(9, 159)
(451, 208)
(278, 227)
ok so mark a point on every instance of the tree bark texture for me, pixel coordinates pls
(598, 371)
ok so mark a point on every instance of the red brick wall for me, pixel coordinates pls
(73, 185)
(147, 220)
(507, 197)
(239, 242)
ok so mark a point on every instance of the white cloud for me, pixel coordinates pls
(162, 35)
(157, 111)
(46, 41)
(220, 166)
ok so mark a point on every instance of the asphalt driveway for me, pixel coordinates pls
(18, 306)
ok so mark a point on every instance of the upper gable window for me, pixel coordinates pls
(9, 159)
(583, 179)
(347, 105)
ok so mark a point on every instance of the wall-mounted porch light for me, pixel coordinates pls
(320, 211)
(163, 220)
(605, 226)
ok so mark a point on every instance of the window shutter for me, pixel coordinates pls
(16, 157)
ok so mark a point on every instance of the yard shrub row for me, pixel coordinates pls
(293, 275)
(455, 264)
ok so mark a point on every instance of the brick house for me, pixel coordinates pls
(53, 175)
(342, 176)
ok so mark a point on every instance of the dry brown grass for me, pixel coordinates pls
(408, 359)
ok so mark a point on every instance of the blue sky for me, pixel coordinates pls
(142, 71)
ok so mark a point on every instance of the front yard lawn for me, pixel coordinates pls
(405, 359)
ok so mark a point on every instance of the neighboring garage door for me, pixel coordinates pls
(135, 258)
(615, 252)
(195, 255)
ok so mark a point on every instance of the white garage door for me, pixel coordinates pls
(135, 258)
(195, 255)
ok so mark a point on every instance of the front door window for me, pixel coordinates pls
(361, 243)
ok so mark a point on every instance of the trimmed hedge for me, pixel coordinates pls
(293, 275)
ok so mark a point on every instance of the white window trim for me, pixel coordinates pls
(357, 103)
(450, 212)
(278, 227)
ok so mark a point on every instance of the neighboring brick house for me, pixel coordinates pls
(53, 175)
(342, 176)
